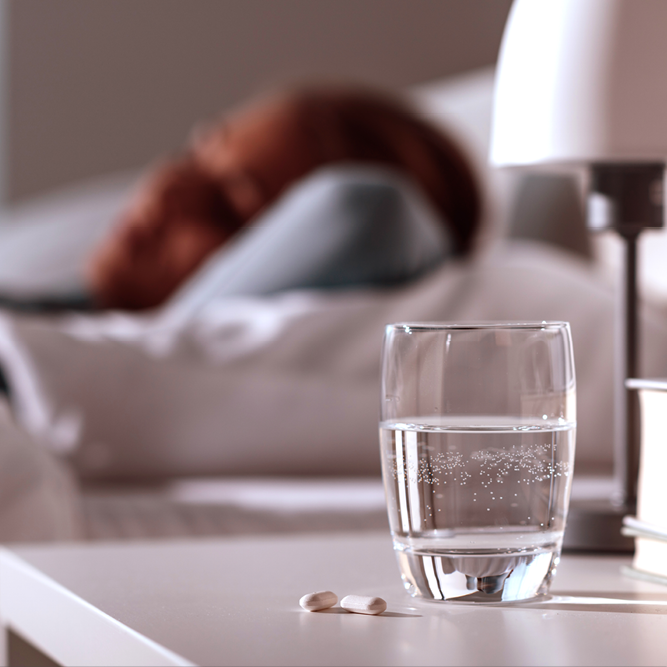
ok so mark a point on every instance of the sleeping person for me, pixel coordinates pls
(337, 190)
(334, 189)
(317, 187)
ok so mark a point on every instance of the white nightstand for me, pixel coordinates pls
(235, 602)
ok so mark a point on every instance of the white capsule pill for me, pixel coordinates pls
(318, 601)
(363, 604)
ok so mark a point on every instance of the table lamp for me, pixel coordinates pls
(584, 82)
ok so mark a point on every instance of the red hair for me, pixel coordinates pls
(360, 125)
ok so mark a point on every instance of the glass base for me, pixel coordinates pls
(503, 577)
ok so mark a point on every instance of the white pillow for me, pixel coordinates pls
(44, 243)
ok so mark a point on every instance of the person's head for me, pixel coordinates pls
(242, 164)
(347, 123)
(177, 218)
(190, 206)
(257, 152)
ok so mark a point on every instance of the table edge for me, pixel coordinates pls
(46, 613)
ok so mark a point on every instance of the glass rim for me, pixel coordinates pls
(409, 327)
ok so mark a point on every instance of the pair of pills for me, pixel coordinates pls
(357, 604)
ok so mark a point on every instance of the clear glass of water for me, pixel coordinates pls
(477, 437)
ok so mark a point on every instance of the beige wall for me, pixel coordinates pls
(93, 86)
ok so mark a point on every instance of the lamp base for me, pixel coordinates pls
(595, 525)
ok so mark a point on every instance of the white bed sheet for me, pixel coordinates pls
(205, 507)
(288, 385)
(202, 507)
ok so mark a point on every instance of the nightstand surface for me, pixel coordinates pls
(235, 602)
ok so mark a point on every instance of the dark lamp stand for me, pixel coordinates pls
(627, 198)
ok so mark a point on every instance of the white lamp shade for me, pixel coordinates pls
(581, 81)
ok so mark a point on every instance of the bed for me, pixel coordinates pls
(260, 415)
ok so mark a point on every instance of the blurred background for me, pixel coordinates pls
(91, 91)
(96, 86)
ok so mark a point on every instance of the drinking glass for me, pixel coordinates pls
(477, 437)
